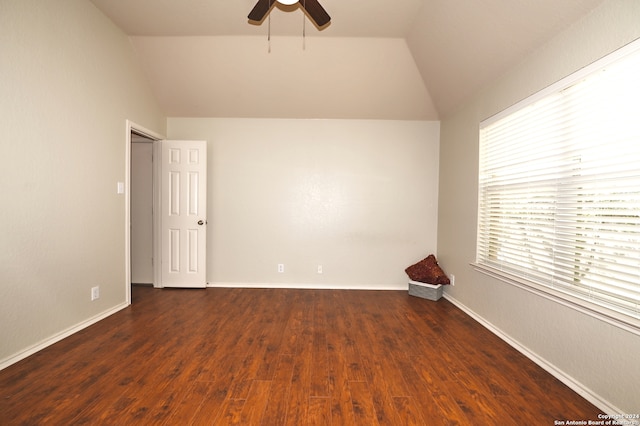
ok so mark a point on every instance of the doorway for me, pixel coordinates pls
(147, 224)
(141, 199)
(138, 159)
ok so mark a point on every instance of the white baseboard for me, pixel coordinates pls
(314, 286)
(575, 385)
(57, 337)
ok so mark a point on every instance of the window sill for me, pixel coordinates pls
(618, 319)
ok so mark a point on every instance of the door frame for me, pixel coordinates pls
(156, 137)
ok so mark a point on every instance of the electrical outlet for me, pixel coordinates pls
(452, 278)
(319, 269)
(280, 268)
(95, 292)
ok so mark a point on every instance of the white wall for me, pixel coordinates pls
(69, 80)
(236, 76)
(593, 356)
(358, 197)
(142, 213)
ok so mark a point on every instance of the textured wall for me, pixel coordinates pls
(235, 76)
(597, 356)
(356, 196)
(69, 80)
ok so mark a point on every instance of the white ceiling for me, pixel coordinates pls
(204, 58)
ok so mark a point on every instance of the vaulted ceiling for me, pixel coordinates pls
(377, 59)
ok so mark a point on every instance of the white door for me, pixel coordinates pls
(183, 213)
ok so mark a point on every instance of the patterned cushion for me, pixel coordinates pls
(427, 271)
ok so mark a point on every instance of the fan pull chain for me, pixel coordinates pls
(269, 35)
(304, 26)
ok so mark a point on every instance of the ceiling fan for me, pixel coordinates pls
(315, 11)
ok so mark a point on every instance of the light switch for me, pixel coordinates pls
(120, 187)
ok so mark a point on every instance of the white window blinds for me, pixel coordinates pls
(559, 189)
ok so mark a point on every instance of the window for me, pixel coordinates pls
(559, 190)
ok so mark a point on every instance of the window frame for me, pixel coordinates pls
(561, 296)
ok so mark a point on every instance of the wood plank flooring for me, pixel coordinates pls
(284, 357)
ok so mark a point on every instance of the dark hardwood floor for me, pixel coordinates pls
(276, 357)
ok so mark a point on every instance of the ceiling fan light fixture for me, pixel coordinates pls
(312, 8)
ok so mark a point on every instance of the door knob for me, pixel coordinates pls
(200, 222)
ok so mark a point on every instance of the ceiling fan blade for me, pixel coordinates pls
(316, 12)
(260, 10)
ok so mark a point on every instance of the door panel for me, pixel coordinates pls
(184, 215)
